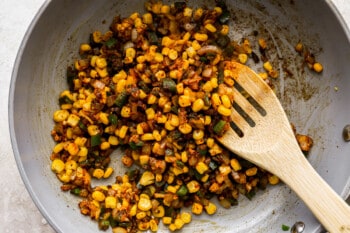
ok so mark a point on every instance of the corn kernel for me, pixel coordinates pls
(251, 171)
(242, 58)
(299, 47)
(198, 134)
(173, 54)
(185, 128)
(201, 167)
(98, 173)
(197, 208)
(147, 137)
(113, 140)
(200, 36)
(108, 172)
(101, 62)
(236, 166)
(98, 196)
(144, 204)
(167, 220)
(224, 30)
(57, 165)
(193, 186)
(125, 112)
(165, 9)
(105, 145)
(210, 27)
(197, 105)
(153, 226)
(317, 67)
(273, 179)
(224, 111)
(123, 130)
(267, 66)
(150, 113)
(179, 223)
(210, 208)
(60, 115)
(184, 101)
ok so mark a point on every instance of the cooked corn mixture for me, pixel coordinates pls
(157, 85)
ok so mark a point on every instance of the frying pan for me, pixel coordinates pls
(317, 104)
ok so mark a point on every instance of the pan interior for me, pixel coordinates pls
(317, 104)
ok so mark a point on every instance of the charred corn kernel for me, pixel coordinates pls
(198, 105)
(97, 36)
(226, 101)
(144, 204)
(193, 186)
(262, 43)
(184, 101)
(125, 112)
(210, 27)
(158, 212)
(60, 115)
(273, 179)
(167, 220)
(201, 167)
(236, 166)
(210, 208)
(179, 223)
(108, 172)
(172, 227)
(84, 48)
(57, 165)
(98, 173)
(299, 47)
(198, 134)
(197, 208)
(200, 36)
(93, 130)
(225, 169)
(143, 226)
(150, 113)
(72, 148)
(224, 30)
(98, 196)
(224, 111)
(185, 128)
(123, 130)
(113, 140)
(242, 58)
(251, 171)
(267, 66)
(105, 145)
(317, 67)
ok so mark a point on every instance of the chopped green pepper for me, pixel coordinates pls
(95, 140)
(182, 191)
(121, 99)
(219, 127)
(75, 191)
(111, 42)
(169, 85)
(285, 227)
(113, 119)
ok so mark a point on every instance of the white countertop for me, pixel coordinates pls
(17, 211)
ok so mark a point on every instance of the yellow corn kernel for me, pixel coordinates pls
(123, 130)
(262, 43)
(57, 165)
(161, 119)
(207, 87)
(225, 169)
(130, 52)
(187, 12)
(102, 72)
(65, 178)
(273, 179)
(156, 135)
(198, 13)
(58, 148)
(72, 148)
(101, 62)
(93, 130)
(172, 227)
(147, 137)
(267, 66)
(193, 186)
(197, 208)
(201, 167)
(98, 196)
(158, 57)
(210, 208)
(236, 166)
(224, 30)
(150, 113)
(224, 111)
(119, 76)
(174, 120)
(246, 46)
(98, 173)
(73, 120)
(317, 67)
(83, 151)
(108, 172)
(226, 101)
(198, 134)
(173, 54)
(172, 189)
(147, 18)
(196, 46)
(144, 204)
(120, 87)
(113, 140)
(71, 165)
(110, 202)
(125, 112)
(105, 145)
(215, 100)
(263, 75)
(141, 215)
(179, 223)
(200, 36)
(151, 99)
(97, 36)
(103, 118)
(84, 48)
(185, 128)
(168, 126)
(93, 73)
(251, 171)
(299, 47)
(184, 101)
(197, 105)
(153, 226)
(60, 115)
(167, 220)
(242, 58)
(186, 217)
(165, 9)
(210, 27)
(158, 212)
(207, 120)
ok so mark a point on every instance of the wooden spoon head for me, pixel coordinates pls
(259, 123)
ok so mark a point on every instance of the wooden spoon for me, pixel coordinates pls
(261, 133)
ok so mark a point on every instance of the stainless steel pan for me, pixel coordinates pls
(317, 104)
